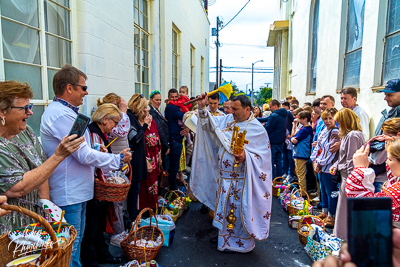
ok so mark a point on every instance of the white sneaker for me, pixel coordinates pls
(316, 199)
(116, 239)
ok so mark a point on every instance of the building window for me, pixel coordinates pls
(314, 49)
(355, 32)
(202, 75)
(141, 40)
(36, 43)
(175, 58)
(391, 66)
(192, 68)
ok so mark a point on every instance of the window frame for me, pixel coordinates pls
(140, 86)
(314, 49)
(385, 41)
(192, 67)
(347, 53)
(176, 56)
(202, 74)
(45, 100)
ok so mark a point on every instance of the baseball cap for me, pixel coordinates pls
(391, 86)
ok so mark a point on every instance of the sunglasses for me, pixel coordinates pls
(84, 87)
(27, 108)
(138, 97)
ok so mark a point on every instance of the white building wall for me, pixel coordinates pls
(331, 43)
(104, 48)
(190, 19)
(104, 45)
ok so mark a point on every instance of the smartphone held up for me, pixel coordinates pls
(370, 231)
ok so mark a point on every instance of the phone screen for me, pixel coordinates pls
(80, 125)
(370, 231)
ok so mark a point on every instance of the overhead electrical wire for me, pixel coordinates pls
(234, 16)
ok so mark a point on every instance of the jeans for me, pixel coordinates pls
(276, 155)
(288, 162)
(133, 199)
(327, 187)
(174, 161)
(75, 214)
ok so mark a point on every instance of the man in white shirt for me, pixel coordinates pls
(348, 99)
(72, 182)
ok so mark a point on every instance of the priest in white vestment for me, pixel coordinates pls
(221, 186)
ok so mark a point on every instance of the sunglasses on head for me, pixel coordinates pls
(138, 97)
(28, 107)
(84, 87)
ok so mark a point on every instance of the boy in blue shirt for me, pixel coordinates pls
(302, 147)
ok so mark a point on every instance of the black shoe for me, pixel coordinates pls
(204, 209)
(214, 240)
(319, 206)
(112, 260)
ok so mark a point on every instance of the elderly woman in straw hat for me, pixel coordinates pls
(24, 167)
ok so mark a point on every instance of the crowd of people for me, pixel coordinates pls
(328, 151)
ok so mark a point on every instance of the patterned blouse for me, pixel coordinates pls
(19, 155)
(321, 154)
(360, 184)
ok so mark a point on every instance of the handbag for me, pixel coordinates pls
(163, 178)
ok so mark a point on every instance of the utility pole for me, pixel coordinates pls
(252, 78)
(220, 71)
(217, 45)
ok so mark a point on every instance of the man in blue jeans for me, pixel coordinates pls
(275, 125)
(72, 183)
(176, 134)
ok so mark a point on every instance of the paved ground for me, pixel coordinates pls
(191, 246)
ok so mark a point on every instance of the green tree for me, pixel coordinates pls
(264, 96)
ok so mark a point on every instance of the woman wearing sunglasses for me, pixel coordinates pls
(24, 167)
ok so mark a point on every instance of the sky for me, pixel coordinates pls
(250, 28)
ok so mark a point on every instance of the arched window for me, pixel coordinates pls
(314, 49)
(355, 30)
(391, 66)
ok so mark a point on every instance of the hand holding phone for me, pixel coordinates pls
(80, 125)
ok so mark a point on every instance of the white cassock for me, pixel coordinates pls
(221, 186)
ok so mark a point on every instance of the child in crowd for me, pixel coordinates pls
(302, 147)
(183, 98)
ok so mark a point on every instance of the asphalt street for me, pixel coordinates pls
(192, 247)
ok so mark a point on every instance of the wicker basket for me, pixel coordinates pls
(111, 192)
(181, 209)
(303, 237)
(287, 193)
(165, 210)
(275, 182)
(134, 252)
(59, 256)
(292, 210)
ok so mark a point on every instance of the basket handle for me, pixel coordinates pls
(36, 217)
(138, 218)
(299, 190)
(280, 177)
(130, 172)
(311, 216)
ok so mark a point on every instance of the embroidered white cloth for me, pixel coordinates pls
(221, 186)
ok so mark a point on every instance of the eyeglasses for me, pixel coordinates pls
(84, 87)
(116, 122)
(28, 107)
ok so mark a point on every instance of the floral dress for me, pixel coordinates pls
(148, 195)
(19, 155)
